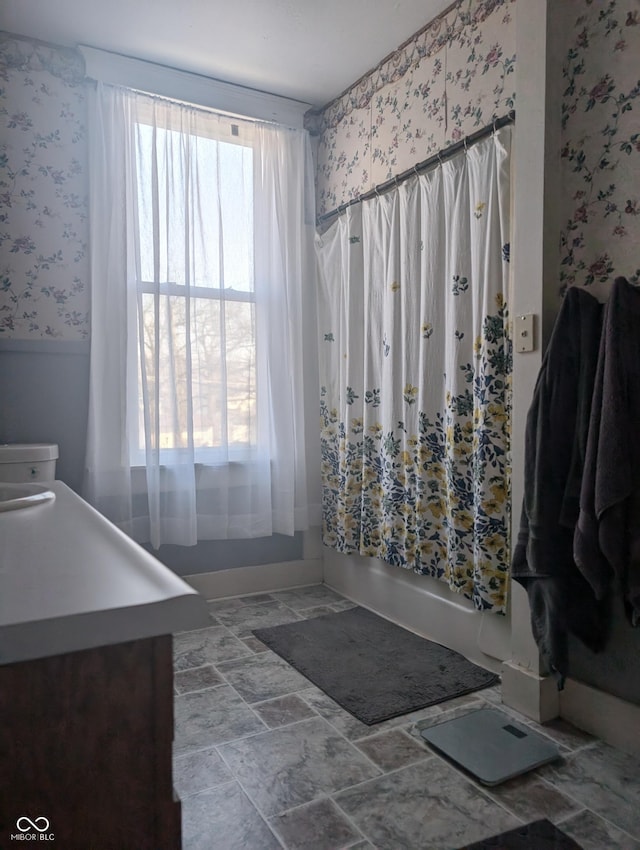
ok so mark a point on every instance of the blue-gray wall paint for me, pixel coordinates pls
(44, 393)
(44, 398)
(211, 555)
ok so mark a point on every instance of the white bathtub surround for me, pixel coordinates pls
(70, 580)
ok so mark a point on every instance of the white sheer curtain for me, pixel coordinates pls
(201, 227)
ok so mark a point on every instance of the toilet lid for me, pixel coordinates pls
(27, 452)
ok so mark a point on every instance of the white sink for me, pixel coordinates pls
(16, 496)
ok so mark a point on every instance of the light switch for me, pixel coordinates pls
(524, 337)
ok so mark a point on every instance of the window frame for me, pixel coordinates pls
(237, 134)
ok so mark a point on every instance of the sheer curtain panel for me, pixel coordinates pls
(201, 264)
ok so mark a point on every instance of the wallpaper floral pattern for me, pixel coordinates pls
(600, 194)
(452, 78)
(43, 193)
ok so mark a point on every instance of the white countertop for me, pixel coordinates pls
(70, 580)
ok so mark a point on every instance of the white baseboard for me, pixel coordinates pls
(257, 579)
(533, 695)
(608, 717)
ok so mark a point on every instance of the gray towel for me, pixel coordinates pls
(561, 600)
(607, 537)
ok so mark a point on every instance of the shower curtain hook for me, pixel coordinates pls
(494, 126)
(464, 142)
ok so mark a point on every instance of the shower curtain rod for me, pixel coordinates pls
(440, 157)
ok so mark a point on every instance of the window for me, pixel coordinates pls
(201, 307)
(195, 292)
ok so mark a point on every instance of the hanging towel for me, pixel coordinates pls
(560, 598)
(607, 537)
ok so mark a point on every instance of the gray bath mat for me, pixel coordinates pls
(539, 835)
(371, 667)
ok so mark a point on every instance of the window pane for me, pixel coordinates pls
(213, 386)
(224, 380)
(195, 196)
(197, 377)
(165, 376)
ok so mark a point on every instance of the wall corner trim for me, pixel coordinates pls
(529, 693)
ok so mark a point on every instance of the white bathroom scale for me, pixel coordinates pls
(490, 745)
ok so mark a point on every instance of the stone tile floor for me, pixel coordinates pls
(264, 759)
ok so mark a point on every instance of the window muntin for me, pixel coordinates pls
(195, 293)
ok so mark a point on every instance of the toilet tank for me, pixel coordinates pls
(21, 462)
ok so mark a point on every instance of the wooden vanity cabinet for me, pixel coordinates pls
(85, 742)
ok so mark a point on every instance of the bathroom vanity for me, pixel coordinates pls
(86, 681)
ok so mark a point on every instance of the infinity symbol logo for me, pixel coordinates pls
(39, 824)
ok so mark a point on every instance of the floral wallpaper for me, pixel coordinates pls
(600, 193)
(43, 193)
(452, 78)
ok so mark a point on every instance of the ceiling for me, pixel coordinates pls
(309, 50)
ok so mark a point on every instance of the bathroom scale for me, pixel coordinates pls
(490, 745)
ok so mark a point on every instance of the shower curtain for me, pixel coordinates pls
(415, 359)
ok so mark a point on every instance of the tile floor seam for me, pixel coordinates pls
(359, 832)
(323, 794)
(486, 789)
(383, 774)
(357, 743)
(573, 815)
(593, 811)
(333, 726)
(241, 737)
(259, 732)
(534, 775)
(376, 779)
(208, 788)
(199, 690)
(249, 706)
(288, 724)
(248, 795)
(204, 790)
(568, 751)
(348, 740)
(236, 781)
(483, 789)
(606, 820)
(266, 818)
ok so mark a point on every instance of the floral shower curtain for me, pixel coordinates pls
(416, 371)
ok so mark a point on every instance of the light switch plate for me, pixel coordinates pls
(524, 336)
